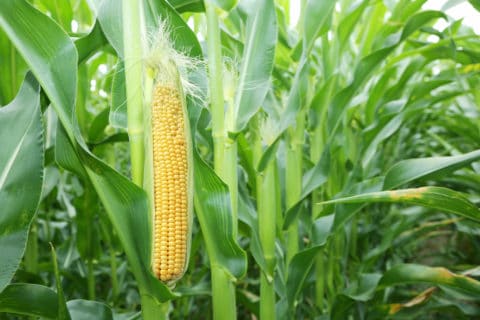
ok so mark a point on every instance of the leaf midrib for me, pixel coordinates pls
(11, 161)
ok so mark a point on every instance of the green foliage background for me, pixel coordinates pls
(357, 131)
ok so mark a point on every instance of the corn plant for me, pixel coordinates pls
(222, 159)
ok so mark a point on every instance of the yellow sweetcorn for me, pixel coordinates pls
(169, 158)
(171, 182)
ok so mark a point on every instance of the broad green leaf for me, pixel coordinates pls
(248, 215)
(118, 108)
(344, 212)
(87, 310)
(348, 23)
(364, 288)
(65, 154)
(257, 60)
(388, 130)
(13, 70)
(414, 273)
(54, 62)
(438, 198)
(226, 5)
(475, 4)
(364, 69)
(21, 174)
(98, 125)
(317, 15)
(183, 38)
(419, 20)
(302, 262)
(361, 289)
(413, 169)
(268, 155)
(60, 10)
(30, 300)
(90, 44)
(109, 15)
(212, 205)
(298, 270)
(187, 5)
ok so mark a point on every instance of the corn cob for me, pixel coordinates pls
(172, 180)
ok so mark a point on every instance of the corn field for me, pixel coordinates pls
(239, 159)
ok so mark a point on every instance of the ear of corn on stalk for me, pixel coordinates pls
(172, 180)
(169, 158)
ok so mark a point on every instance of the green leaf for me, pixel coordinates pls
(13, 70)
(98, 125)
(118, 108)
(29, 300)
(348, 23)
(361, 289)
(87, 310)
(91, 43)
(475, 4)
(298, 270)
(317, 15)
(248, 215)
(438, 198)
(413, 169)
(388, 130)
(109, 15)
(268, 154)
(60, 10)
(183, 38)
(368, 64)
(302, 262)
(187, 5)
(420, 19)
(226, 5)
(62, 311)
(212, 205)
(65, 154)
(257, 60)
(51, 59)
(21, 174)
(414, 273)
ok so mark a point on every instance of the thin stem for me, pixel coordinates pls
(215, 86)
(89, 215)
(31, 253)
(90, 280)
(113, 276)
(225, 159)
(267, 298)
(293, 177)
(224, 304)
(132, 38)
(320, 280)
(267, 213)
(153, 310)
(230, 177)
(267, 183)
